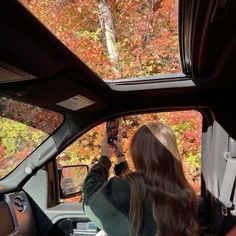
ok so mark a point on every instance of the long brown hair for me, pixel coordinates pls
(159, 176)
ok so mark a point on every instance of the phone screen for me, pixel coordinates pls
(112, 130)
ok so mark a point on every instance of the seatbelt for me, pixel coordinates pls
(227, 186)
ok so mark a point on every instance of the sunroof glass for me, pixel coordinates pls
(115, 38)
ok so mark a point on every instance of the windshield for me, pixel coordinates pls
(23, 128)
(117, 39)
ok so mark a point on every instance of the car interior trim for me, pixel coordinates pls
(153, 84)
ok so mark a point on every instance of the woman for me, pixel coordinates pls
(156, 199)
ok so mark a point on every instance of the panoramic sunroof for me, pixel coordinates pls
(116, 38)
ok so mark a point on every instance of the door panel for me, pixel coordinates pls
(54, 218)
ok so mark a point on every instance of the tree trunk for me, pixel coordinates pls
(108, 28)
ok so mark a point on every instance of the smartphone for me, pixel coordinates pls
(112, 130)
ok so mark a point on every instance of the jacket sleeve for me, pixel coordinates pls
(98, 175)
(104, 199)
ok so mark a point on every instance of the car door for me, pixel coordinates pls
(65, 215)
(30, 200)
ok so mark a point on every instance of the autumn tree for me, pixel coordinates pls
(117, 39)
(108, 29)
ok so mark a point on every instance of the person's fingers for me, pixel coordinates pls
(104, 139)
(116, 143)
(119, 138)
(119, 135)
(112, 148)
(105, 149)
(103, 142)
(119, 148)
(104, 136)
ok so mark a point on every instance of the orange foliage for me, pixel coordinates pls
(146, 35)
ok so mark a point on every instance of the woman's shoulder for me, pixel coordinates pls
(117, 186)
(117, 192)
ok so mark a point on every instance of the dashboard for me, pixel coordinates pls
(17, 219)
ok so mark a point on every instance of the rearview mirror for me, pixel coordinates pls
(71, 179)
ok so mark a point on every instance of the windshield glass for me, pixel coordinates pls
(23, 128)
(116, 38)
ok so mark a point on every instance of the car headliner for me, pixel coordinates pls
(52, 73)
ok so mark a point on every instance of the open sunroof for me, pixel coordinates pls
(116, 38)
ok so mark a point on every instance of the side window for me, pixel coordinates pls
(187, 126)
(23, 127)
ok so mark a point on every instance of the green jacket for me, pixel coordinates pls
(106, 202)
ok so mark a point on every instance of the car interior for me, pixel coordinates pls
(42, 76)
